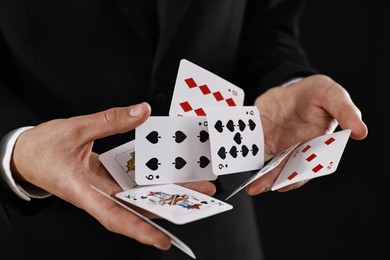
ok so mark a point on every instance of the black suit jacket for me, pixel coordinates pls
(68, 57)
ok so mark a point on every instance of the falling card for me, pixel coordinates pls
(197, 88)
(172, 150)
(317, 157)
(236, 139)
(174, 203)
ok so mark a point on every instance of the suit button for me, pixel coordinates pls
(160, 102)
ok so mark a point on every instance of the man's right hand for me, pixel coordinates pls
(57, 157)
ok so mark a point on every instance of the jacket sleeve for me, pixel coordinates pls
(14, 113)
(270, 52)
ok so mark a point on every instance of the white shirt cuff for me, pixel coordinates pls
(6, 147)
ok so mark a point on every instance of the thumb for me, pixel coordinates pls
(340, 105)
(112, 121)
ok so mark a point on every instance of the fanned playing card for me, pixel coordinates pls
(317, 157)
(197, 88)
(174, 203)
(208, 133)
(173, 150)
(120, 163)
(236, 139)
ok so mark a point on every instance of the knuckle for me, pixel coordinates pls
(110, 115)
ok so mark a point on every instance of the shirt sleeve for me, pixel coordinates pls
(6, 147)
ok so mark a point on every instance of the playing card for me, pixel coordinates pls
(317, 157)
(172, 150)
(120, 163)
(174, 203)
(236, 139)
(276, 160)
(174, 240)
(196, 88)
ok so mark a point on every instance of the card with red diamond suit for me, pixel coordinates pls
(317, 157)
(197, 88)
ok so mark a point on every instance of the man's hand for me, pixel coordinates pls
(57, 157)
(313, 106)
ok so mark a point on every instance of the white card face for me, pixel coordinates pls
(120, 163)
(197, 88)
(174, 203)
(174, 240)
(173, 150)
(236, 139)
(267, 168)
(317, 157)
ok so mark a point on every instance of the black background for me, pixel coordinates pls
(343, 215)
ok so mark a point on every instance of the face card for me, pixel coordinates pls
(172, 150)
(174, 240)
(317, 157)
(267, 168)
(120, 163)
(236, 139)
(196, 88)
(174, 203)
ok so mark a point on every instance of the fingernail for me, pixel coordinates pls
(135, 111)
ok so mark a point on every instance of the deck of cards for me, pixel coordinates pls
(208, 133)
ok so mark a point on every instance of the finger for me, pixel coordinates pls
(293, 186)
(340, 105)
(350, 118)
(119, 220)
(264, 183)
(112, 121)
